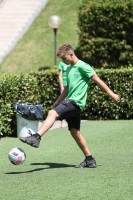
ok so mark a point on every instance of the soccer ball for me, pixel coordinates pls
(16, 156)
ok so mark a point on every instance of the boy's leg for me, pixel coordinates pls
(74, 128)
(49, 121)
(34, 140)
(63, 123)
(65, 109)
(80, 140)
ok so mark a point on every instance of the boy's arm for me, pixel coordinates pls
(60, 80)
(114, 97)
(61, 97)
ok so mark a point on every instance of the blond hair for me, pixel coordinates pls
(64, 49)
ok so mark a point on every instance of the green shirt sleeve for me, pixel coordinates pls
(60, 66)
(87, 70)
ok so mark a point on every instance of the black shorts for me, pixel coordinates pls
(69, 111)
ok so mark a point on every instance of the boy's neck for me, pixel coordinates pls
(74, 61)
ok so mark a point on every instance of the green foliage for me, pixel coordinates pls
(43, 87)
(15, 88)
(100, 106)
(105, 36)
(48, 88)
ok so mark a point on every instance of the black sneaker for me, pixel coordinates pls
(87, 163)
(33, 140)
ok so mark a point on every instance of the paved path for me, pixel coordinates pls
(16, 16)
(57, 124)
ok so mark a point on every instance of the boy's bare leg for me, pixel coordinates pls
(63, 123)
(89, 160)
(34, 140)
(80, 141)
(49, 121)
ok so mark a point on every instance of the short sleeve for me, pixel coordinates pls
(60, 66)
(87, 70)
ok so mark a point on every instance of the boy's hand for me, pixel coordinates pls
(55, 104)
(115, 97)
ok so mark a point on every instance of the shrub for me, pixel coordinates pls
(15, 88)
(43, 87)
(105, 33)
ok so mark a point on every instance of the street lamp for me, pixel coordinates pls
(54, 22)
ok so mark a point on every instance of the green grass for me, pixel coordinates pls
(36, 49)
(49, 173)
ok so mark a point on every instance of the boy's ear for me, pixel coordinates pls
(71, 53)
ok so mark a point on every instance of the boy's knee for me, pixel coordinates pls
(53, 113)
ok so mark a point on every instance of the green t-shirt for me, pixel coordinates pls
(78, 77)
(63, 67)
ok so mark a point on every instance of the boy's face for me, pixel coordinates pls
(67, 59)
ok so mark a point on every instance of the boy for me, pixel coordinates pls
(75, 94)
(62, 67)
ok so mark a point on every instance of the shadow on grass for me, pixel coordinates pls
(54, 165)
(49, 166)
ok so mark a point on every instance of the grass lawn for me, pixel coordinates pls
(36, 49)
(49, 173)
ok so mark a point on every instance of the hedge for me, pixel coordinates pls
(43, 87)
(14, 88)
(105, 32)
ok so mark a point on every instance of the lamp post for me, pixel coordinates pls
(54, 22)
